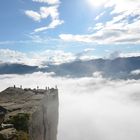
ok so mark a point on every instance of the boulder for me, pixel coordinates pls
(2, 114)
(8, 134)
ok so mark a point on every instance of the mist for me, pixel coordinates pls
(90, 108)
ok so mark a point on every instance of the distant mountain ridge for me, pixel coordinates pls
(116, 68)
(15, 68)
(120, 68)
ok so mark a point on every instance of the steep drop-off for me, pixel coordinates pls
(32, 112)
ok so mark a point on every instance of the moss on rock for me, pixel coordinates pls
(20, 121)
(23, 135)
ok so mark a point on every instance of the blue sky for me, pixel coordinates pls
(44, 30)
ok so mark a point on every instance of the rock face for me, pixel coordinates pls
(2, 114)
(45, 119)
(8, 134)
(40, 105)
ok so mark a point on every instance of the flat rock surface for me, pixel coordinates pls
(18, 100)
(8, 134)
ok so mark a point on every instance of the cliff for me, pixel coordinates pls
(33, 112)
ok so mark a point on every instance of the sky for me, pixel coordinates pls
(62, 31)
(33, 32)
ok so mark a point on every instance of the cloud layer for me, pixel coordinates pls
(90, 108)
(36, 59)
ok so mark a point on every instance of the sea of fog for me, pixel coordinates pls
(90, 108)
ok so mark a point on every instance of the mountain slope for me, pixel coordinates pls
(117, 68)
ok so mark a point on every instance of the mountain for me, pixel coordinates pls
(116, 68)
(15, 68)
(120, 68)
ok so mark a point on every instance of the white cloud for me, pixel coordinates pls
(53, 57)
(107, 108)
(34, 15)
(89, 49)
(52, 25)
(52, 11)
(120, 5)
(87, 54)
(96, 3)
(135, 72)
(97, 26)
(99, 16)
(37, 59)
(85, 57)
(45, 57)
(110, 33)
(97, 74)
(54, 14)
(12, 56)
(116, 54)
(130, 54)
(44, 13)
(7, 55)
(51, 2)
(80, 38)
(123, 5)
(122, 29)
